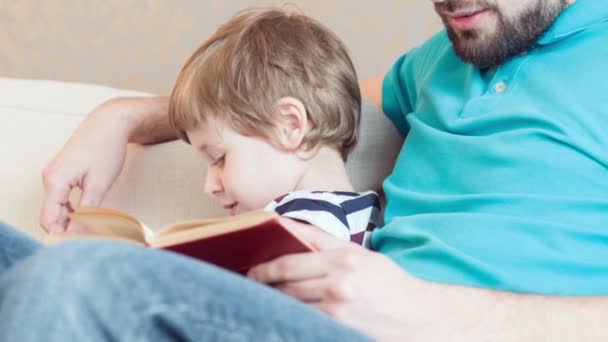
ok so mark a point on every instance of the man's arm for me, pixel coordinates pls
(473, 314)
(149, 123)
(94, 155)
(369, 292)
(149, 120)
(371, 89)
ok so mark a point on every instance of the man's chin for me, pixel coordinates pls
(476, 49)
(482, 61)
(492, 40)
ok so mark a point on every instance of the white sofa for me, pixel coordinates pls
(158, 184)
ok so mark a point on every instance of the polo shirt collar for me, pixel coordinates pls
(577, 17)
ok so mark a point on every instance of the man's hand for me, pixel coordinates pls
(361, 288)
(91, 160)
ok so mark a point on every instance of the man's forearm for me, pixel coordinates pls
(371, 89)
(148, 120)
(451, 313)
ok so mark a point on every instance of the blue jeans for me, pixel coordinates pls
(98, 291)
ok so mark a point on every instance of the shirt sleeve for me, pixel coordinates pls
(319, 212)
(396, 102)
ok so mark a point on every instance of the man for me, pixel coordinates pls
(500, 185)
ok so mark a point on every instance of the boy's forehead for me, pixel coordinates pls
(205, 134)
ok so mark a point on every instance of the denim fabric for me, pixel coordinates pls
(99, 291)
(14, 246)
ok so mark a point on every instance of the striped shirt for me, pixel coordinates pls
(349, 216)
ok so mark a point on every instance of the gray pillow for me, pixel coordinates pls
(374, 156)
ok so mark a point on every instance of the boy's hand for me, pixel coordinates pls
(363, 289)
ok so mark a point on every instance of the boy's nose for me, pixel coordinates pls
(213, 185)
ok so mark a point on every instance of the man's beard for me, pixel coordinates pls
(511, 37)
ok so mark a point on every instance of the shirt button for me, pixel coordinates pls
(500, 87)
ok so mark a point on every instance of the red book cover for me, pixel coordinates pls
(236, 243)
(242, 249)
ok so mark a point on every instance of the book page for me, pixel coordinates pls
(237, 220)
(188, 231)
(104, 221)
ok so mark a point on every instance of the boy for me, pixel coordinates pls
(272, 103)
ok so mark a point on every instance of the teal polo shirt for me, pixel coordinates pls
(502, 181)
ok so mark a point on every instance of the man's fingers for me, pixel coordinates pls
(53, 215)
(92, 194)
(307, 291)
(326, 289)
(293, 267)
(329, 308)
(317, 238)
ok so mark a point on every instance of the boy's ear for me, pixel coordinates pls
(293, 124)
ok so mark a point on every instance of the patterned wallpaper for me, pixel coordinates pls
(142, 44)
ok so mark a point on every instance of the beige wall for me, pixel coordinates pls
(141, 44)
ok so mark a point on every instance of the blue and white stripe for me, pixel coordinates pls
(349, 216)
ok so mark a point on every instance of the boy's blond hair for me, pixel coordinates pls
(258, 57)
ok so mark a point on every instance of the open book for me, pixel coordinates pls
(236, 242)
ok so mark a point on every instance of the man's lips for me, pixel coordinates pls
(463, 21)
